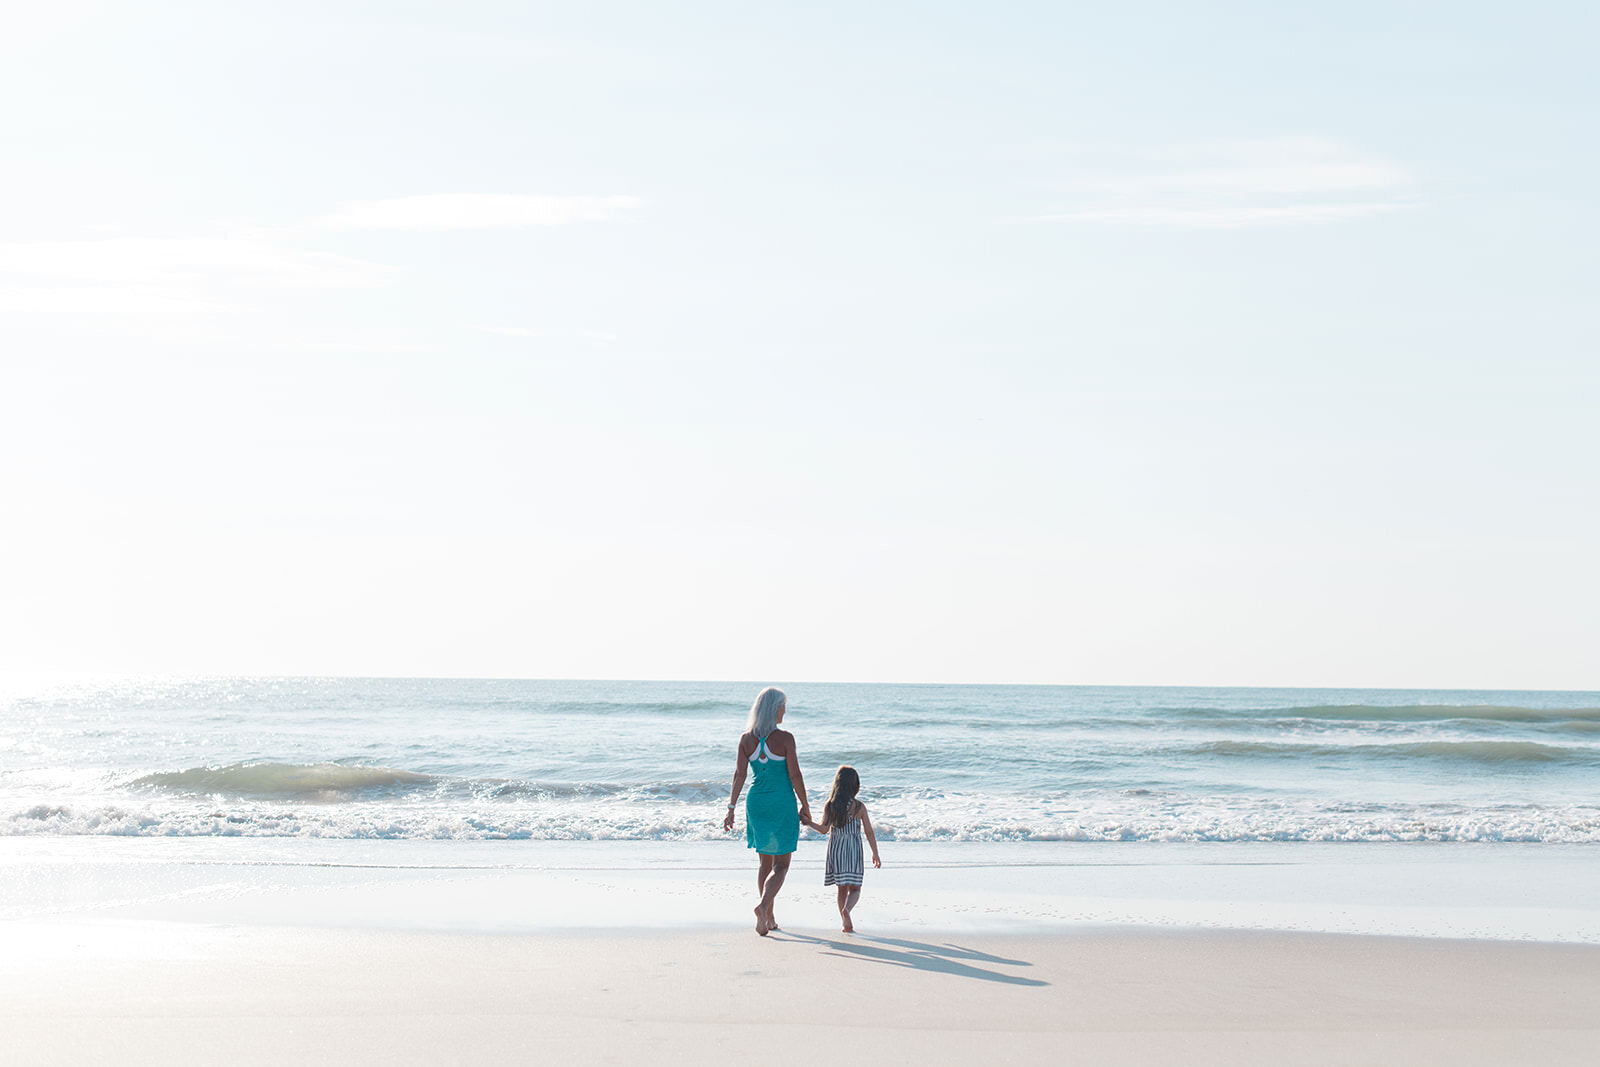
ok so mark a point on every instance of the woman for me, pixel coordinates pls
(777, 801)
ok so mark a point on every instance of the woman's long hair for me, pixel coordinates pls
(764, 712)
(846, 784)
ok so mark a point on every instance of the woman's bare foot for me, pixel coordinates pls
(762, 925)
(772, 919)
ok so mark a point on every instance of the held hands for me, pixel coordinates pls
(805, 816)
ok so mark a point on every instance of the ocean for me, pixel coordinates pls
(483, 760)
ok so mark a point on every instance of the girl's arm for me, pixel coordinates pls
(740, 769)
(798, 782)
(866, 828)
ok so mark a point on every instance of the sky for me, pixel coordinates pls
(1152, 343)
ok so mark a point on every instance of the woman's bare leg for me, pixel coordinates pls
(769, 893)
(763, 872)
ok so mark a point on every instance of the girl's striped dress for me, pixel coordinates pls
(845, 865)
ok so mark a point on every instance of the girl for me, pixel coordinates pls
(844, 820)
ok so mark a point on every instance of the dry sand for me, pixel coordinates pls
(129, 992)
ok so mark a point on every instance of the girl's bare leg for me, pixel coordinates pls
(844, 909)
(769, 893)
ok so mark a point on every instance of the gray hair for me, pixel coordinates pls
(764, 712)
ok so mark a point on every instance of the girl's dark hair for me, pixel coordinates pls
(846, 784)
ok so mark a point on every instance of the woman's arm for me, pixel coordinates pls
(740, 769)
(798, 782)
(866, 828)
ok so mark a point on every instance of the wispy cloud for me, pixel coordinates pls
(165, 277)
(1231, 184)
(593, 337)
(164, 261)
(467, 211)
(389, 342)
(1222, 217)
(510, 331)
(142, 301)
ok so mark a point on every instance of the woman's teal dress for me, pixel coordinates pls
(771, 812)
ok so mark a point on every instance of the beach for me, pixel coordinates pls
(418, 952)
(270, 995)
(453, 871)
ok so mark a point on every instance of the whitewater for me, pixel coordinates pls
(484, 760)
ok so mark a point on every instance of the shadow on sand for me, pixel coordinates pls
(898, 952)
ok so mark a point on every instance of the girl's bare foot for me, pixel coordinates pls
(762, 925)
(849, 927)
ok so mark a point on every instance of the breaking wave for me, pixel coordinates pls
(1465, 751)
(959, 820)
(283, 779)
(1402, 713)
